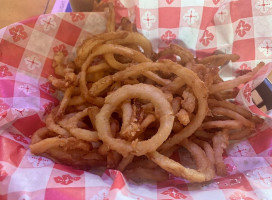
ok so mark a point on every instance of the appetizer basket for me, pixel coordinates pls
(26, 97)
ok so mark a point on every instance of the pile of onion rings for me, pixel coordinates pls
(128, 108)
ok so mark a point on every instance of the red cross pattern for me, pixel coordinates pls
(66, 179)
(191, 16)
(262, 177)
(265, 180)
(222, 13)
(243, 69)
(20, 112)
(247, 93)
(168, 37)
(48, 23)
(239, 150)
(38, 161)
(47, 87)
(263, 5)
(148, 19)
(19, 138)
(4, 71)
(27, 89)
(77, 16)
(206, 38)
(242, 28)
(18, 33)
(60, 48)
(174, 193)
(32, 62)
(266, 47)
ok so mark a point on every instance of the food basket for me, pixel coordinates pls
(205, 27)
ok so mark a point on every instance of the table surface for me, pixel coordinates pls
(17, 10)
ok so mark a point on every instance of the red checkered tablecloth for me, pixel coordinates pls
(26, 51)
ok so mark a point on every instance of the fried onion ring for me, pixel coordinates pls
(141, 91)
(205, 171)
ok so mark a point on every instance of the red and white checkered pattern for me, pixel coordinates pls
(26, 52)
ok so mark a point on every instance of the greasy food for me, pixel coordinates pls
(128, 108)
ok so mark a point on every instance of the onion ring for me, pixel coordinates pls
(206, 172)
(229, 124)
(127, 114)
(226, 85)
(52, 126)
(234, 115)
(185, 55)
(39, 135)
(103, 49)
(219, 59)
(189, 77)
(141, 91)
(135, 38)
(87, 46)
(220, 142)
(79, 133)
(64, 102)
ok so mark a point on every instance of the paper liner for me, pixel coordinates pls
(26, 52)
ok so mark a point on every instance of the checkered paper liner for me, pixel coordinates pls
(26, 52)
